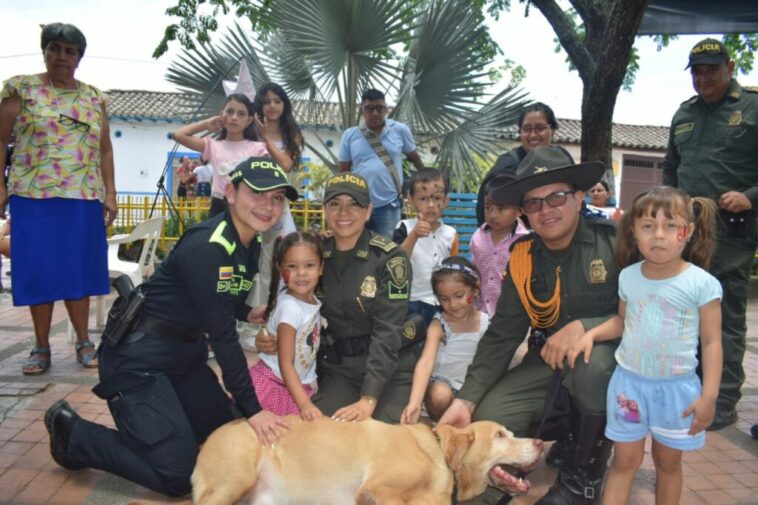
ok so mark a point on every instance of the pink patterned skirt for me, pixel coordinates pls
(272, 392)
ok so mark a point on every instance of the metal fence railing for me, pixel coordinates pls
(135, 209)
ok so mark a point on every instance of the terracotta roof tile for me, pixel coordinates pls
(173, 106)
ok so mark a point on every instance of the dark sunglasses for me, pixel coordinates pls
(69, 121)
(553, 199)
(374, 108)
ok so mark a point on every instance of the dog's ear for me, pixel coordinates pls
(455, 443)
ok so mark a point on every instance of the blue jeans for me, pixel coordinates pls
(384, 219)
(426, 310)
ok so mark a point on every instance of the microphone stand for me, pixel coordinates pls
(161, 184)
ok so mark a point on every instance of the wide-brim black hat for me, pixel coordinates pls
(544, 166)
(262, 175)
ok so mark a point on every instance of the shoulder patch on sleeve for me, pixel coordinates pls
(382, 243)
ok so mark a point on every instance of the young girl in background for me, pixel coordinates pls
(235, 143)
(667, 300)
(451, 339)
(277, 127)
(285, 382)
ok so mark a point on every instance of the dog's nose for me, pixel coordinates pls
(539, 443)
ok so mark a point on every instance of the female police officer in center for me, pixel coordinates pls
(164, 398)
(364, 297)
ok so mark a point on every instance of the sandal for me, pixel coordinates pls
(88, 360)
(35, 365)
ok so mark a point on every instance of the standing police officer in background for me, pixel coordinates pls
(713, 152)
(164, 398)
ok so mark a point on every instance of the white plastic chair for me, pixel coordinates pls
(150, 232)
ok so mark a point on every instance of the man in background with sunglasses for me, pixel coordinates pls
(561, 281)
(375, 151)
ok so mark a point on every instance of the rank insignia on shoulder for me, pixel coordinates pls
(398, 292)
(735, 118)
(598, 272)
(398, 269)
(382, 243)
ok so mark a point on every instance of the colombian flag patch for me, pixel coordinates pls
(225, 273)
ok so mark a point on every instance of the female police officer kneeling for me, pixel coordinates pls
(164, 398)
(364, 299)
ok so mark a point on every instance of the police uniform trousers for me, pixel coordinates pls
(165, 401)
(340, 385)
(731, 265)
(518, 398)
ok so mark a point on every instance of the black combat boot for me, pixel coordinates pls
(560, 452)
(580, 480)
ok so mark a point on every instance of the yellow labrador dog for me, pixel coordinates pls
(369, 462)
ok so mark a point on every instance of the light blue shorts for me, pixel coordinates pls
(639, 405)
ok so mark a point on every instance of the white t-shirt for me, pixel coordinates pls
(306, 319)
(204, 173)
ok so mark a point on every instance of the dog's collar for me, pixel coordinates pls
(455, 476)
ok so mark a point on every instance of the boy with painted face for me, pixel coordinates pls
(425, 238)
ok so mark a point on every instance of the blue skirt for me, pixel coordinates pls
(58, 250)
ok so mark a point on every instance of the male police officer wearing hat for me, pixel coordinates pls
(164, 398)
(561, 281)
(713, 152)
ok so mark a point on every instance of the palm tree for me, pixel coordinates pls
(430, 54)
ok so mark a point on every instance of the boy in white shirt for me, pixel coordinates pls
(425, 238)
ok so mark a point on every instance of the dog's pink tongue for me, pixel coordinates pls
(508, 482)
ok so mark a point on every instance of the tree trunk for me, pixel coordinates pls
(601, 59)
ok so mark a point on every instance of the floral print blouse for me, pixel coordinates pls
(57, 153)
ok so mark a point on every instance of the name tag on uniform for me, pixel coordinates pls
(683, 128)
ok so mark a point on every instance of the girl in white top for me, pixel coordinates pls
(235, 143)
(285, 382)
(451, 339)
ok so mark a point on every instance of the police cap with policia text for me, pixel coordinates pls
(348, 183)
(708, 52)
(261, 175)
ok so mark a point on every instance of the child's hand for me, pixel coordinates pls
(411, 414)
(583, 345)
(422, 228)
(704, 411)
(261, 125)
(310, 412)
(214, 124)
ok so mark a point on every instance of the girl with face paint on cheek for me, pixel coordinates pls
(451, 339)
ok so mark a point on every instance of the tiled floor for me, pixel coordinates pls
(725, 472)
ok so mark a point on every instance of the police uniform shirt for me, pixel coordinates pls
(367, 296)
(204, 283)
(589, 292)
(714, 148)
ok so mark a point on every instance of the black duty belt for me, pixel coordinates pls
(166, 328)
(353, 346)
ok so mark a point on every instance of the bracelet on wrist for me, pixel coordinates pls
(370, 399)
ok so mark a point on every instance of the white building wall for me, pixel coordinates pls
(141, 150)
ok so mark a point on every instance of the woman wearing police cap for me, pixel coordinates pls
(363, 371)
(164, 398)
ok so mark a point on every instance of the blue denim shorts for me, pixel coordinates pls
(638, 405)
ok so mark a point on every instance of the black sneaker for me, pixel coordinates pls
(722, 419)
(754, 431)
